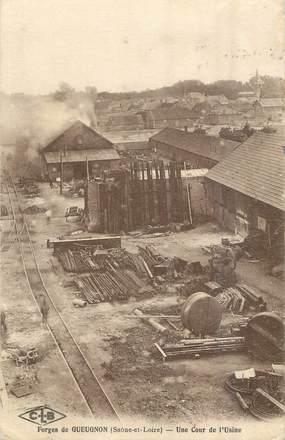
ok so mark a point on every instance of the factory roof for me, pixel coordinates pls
(211, 147)
(79, 136)
(256, 168)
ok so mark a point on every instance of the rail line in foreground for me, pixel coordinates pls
(99, 404)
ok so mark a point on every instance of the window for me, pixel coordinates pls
(79, 140)
(261, 223)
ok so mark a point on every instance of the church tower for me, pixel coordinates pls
(257, 85)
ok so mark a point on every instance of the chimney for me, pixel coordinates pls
(186, 128)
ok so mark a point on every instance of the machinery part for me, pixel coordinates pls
(265, 379)
(266, 407)
(194, 348)
(241, 401)
(201, 314)
(265, 336)
(150, 321)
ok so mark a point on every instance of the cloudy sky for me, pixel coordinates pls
(137, 44)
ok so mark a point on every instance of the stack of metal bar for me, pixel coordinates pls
(240, 298)
(197, 347)
(108, 285)
(81, 261)
(109, 274)
(149, 256)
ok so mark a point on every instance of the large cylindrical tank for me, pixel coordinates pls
(201, 314)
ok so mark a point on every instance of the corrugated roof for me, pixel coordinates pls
(198, 172)
(80, 155)
(256, 168)
(78, 137)
(203, 145)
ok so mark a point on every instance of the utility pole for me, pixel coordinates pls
(188, 195)
(61, 173)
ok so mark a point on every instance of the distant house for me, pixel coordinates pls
(270, 108)
(224, 115)
(245, 190)
(217, 99)
(247, 96)
(193, 98)
(77, 148)
(167, 116)
(124, 121)
(199, 150)
(200, 111)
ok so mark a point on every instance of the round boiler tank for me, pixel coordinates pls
(201, 314)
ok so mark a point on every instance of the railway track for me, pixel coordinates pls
(7, 241)
(9, 237)
(91, 390)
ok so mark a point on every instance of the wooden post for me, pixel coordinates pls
(269, 234)
(87, 169)
(61, 173)
(188, 196)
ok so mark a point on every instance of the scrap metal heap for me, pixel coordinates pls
(259, 392)
(240, 298)
(115, 273)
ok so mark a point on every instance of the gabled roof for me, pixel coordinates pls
(272, 102)
(203, 145)
(81, 155)
(78, 137)
(201, 108)
(256, 168)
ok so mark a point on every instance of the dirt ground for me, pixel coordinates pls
(117, 345)
(24, 331)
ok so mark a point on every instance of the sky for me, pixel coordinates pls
(123, 45)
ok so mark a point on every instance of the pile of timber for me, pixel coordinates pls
(197, 347)
(108, 285)
(240, 298)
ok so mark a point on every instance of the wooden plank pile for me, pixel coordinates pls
(241, 298)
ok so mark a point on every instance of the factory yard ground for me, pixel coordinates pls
(117, 345)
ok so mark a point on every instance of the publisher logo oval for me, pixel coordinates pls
(42, 415)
